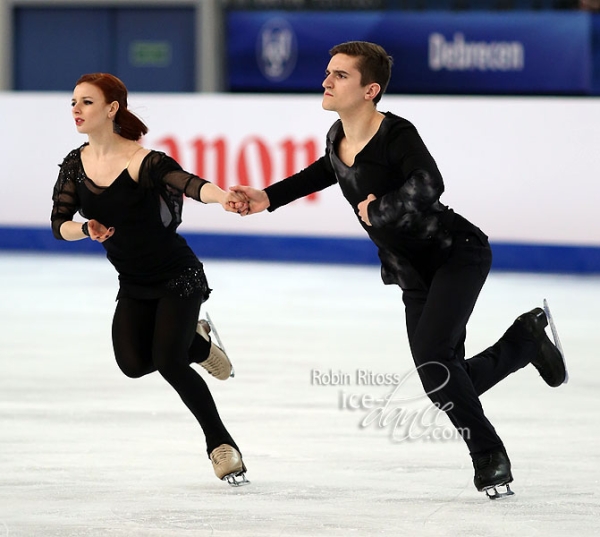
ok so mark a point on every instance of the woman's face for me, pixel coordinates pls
(90, 109)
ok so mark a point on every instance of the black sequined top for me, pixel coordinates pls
(149, 255)
(412, 230)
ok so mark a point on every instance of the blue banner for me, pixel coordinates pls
(436, 52)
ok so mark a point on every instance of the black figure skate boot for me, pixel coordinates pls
(550, 359)
(491, 471)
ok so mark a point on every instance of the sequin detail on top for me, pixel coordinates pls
(191, 281)
(72, 168)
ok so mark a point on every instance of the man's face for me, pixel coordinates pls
(342, 84)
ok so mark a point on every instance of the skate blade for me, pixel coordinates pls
(236, 480)
(546, 309)
(215, 333)
(494, 494)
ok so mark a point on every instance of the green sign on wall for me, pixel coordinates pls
(150, 53)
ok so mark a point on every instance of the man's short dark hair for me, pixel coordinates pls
(374, 63)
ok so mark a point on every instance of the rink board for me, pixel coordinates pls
(522, 169)
(506, 256)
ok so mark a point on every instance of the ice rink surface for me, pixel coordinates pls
(85, 451)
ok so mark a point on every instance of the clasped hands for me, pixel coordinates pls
(246, 200)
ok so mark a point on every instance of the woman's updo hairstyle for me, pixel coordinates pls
(126, 124)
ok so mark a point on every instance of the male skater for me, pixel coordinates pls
(438, 258)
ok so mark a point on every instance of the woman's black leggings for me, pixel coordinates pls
(157, 335)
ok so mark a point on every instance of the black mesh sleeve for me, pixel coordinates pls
(163, 173)
(64, 197)
(164, 170)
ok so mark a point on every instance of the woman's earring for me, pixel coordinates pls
(116, 128)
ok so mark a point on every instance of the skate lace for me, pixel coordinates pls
(216, 364)
(221, 454)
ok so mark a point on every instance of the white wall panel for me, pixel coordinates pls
(523, 169)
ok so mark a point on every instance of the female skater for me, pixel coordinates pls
(132, 198)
